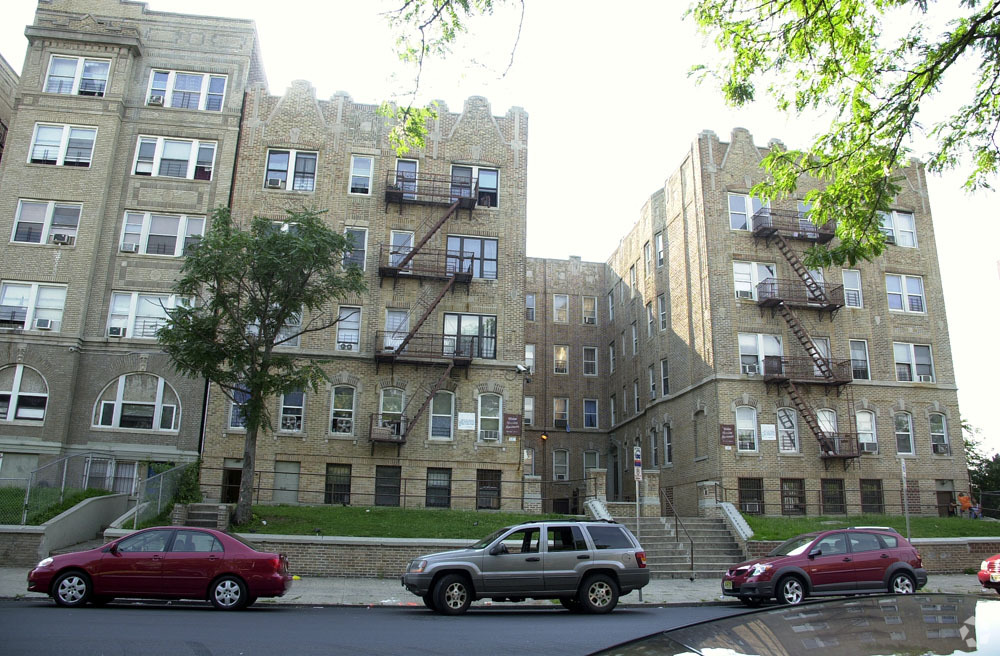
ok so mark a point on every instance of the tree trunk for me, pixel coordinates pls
(244, 506)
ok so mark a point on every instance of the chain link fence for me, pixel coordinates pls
(157, 493)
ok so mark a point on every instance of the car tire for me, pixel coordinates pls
(429, 600)
(101, 600)
(229, 593)
(571, 604)
(598, 594)
(902, 583)
(452, 594)
(751, 602)
(71, 589)
(791, 591)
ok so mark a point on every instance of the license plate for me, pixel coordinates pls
(995, 578)
(728, 585)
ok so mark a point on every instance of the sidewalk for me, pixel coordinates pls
(318, 591)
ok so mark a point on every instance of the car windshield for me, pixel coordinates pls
(794, 546)
(489, 538)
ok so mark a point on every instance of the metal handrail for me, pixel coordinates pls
(678, 522)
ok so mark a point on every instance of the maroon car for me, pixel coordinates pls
(837, 562)
(170, 562)
(989, 573)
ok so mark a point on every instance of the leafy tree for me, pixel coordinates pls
(835, 56)
(984, 471)
(255, 289)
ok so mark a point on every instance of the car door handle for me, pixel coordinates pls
(847, 560)
(583, 557)
(533, 559)
(884, 556)
(157, 557)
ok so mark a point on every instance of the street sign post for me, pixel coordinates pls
(637, 475)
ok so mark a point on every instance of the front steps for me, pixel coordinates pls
(668, 549)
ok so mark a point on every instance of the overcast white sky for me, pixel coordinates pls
(612, 111)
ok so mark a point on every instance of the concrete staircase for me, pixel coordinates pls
(668, 550)
(205, 515)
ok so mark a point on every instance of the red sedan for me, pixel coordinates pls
(168, 562)
(989, 573)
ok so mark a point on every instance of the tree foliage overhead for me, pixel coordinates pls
(254, 290)
(836, 56)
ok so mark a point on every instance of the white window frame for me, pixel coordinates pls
(480, 431)
(204, 91)
(659, 250)
(560, 464)
(866, 436)
(650, 319)
(764, 345)
(14, 396)
(633, 281)
(351, 342)
(635, 395)
(661, 308)
(911, 353)
(611, 355)
(237, 419)
(529, 411)
(664, 378)
(897, 229)
(785, 434)
(402, 179)
(560, 314)
(611, 305)
(346, 414)
(595, 414)
(451, 418)
(850, 351)
(668, 445)
(905, 296)
(747, 275)
(387, 418)
(635, 339)
(355, 174)
(158, 405)
(350, 257)
(47, 230)
(746, 206)
(589, 318)
(595, 457)
(129, 324)
(159, 145)
(940, 444)
(654, 447)
(560, 412)
(612, 409)
(293, 157)
(81, 63)
(529, 461)
(849, 289)
(908, 432)
(188, 228)
(529, 357)
(647, 258)
(63, 146)
(288, 412)
(475, 172)
(746, 429)
(590, 365)
(529, 307)
(31, 304)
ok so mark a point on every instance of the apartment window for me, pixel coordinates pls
(560, 412)
(442, 415)
(635, 394)
(361, 175)
(44, 222)
(664, 378)
(748, 275)
(590, 413)
(746, 428)
(913, 362)
(392, 401)
(560, 308)
(906, 293)
(237, 407)
(23, 394)
(659, 249)
(652, 382)
(297, 165)
(338, 484)
(750, 493)
(635, 339)
(832, 496)
(793, 496)
(852, 288)
(647, 258)
(160, 234)
(633, 281)
(174, 158)
(490, 409)
(865, 420)
(611, 405)
(137, 315)
(62, 145)
(939, 434)
(899, 228)
(591, 460)
(186, 90)
(342, 410)
(611, 305)
(528, 461)
(654, 447)
(560, 465)
(27, 305)
(742, 209)
(470, 335)
(788, 430)
(387, 485)
(650, 321)
(611, 356)
(590, 310)
(754, 348)
(529, 307)
(438, 488)
(529, 411)
(826, 418)
(589, 360)
(473, 254)
(406, 177)
(349, 328)
(293, 406)
(859, 360)
(483, 184)
(872, 499)
(359, 243)
(904, 432)
(138, 401)
(529, 357)
(77, 76)
(668, 445)
(661, 308)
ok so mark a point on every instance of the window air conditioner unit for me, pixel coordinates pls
(155, 101)
(751, 507)
(560, 477)
(560, 423)
(925, 378)
(129, 248)
(590, 320)
(940, 449)
(750, 369)
(116, 331)
(274, 183)
(43, 324)
(869, 447)
(345, 346)
(63, 239)
(744, 293)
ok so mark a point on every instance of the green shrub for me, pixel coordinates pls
(188, 489)
(70, 499)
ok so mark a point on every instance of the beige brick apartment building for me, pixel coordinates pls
(8, 85)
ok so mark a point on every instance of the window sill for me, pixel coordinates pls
(37, 244)
(701, 458)
(357, 195)
(439, 440)
(293, 434)
(165, 177)
(786, 454)
(26, 422)
(144, 431)
(57, 166)
(296, 192)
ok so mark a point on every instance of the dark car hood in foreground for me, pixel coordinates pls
(855, 626)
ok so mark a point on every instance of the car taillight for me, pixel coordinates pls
(640, 557)
(276, 564)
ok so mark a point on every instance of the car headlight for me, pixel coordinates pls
(984, 566)
(417, 567)
(44, 562)
(759, 569)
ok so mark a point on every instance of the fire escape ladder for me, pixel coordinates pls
(822, 364)
(438, 384)
(807, 413)
(427, 305)
(427, 235)
(815, 289)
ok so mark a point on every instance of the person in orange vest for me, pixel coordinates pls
(965, 502)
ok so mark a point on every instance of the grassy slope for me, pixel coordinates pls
(782, 528)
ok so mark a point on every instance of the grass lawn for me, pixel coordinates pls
(380, 522)
(782, 528)
(43, 504)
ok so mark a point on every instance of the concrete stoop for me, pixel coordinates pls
(204, 515)
(668, 547)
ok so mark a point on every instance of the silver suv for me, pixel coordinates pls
(585, 565)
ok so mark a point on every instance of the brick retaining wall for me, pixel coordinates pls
(19, 545)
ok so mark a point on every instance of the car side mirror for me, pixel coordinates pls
(498, 549)
(113, 549)
(815, 552)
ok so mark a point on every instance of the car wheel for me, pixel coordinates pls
(429, 600)
(791, 591)
(901, 583)
(452, 594)
(71, 589)
(571, 604)
(101, 600)
(751, 602)
(229, 593)
(598, 594)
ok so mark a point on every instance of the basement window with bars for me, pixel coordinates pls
(793, 496)
(751, 495)
(338, 484)
(438, 487)
(832, 496)
(872, 498)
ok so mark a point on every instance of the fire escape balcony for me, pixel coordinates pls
(791, 224)
(388, 429)
(793, 292)
(436, 189)
(432, 263)
(839, 446)
(433, 348)
(779, 369)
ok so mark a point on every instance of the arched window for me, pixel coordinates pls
(391, 410)
(788, 430)
(342, 410)
(904, 432)
(866, 431)
(442, 415)
(939, 435)
(746, 428)
(138, 402)
(490, 407)
(23, 394)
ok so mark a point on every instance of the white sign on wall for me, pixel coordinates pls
(768, 432)
(467, 421)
